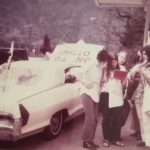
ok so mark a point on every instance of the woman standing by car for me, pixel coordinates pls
(90, 79)
(111, 101)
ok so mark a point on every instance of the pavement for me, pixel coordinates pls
(129, 141)
(70, 139)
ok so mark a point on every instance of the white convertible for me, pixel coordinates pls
(36, 96)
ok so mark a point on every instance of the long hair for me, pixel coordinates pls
(116, 58)
(110, 66)
(103, 56)
(138, 57)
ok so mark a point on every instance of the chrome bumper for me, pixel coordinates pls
(10, 132)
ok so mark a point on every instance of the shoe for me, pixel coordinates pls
(135, 134)
(118, 143)
(140, 143)
(96, 145)
(147, 147)
(139, 138)
(105, 143)
(89, 145)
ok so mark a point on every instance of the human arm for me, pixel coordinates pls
(145, 72)
(88, 76)
(147, 112)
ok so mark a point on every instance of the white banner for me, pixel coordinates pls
(80, 53)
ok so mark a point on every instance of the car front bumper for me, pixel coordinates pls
(10, 132)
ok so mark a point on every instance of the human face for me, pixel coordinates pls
(121, 58)
(145, 58)
(114, 64)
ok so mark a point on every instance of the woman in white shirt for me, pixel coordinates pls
(112, 104)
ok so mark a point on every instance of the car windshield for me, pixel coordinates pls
(20, 76)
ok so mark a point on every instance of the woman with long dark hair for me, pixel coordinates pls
(112, 101)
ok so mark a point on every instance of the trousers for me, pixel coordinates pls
(111, 123)
(91, 118)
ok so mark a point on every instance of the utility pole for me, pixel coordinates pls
(147, 23)
(29, 43)
(108, 28)
(28, 31)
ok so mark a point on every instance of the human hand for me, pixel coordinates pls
(88, 85)
(147, 112)
(130, 103)
(103, 65)
(142, 70)
(124, 82)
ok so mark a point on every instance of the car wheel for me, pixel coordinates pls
(55, 125)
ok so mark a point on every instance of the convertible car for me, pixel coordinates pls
(36, 96)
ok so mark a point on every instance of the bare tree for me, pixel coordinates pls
(133, 36)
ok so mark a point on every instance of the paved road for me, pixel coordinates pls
(70, 139)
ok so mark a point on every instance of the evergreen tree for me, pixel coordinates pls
(46, 47)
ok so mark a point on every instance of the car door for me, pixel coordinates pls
(52, 96)
(74, 89)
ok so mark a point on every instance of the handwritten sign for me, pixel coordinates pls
(79, 53)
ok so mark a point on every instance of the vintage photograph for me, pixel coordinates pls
(74, 74)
